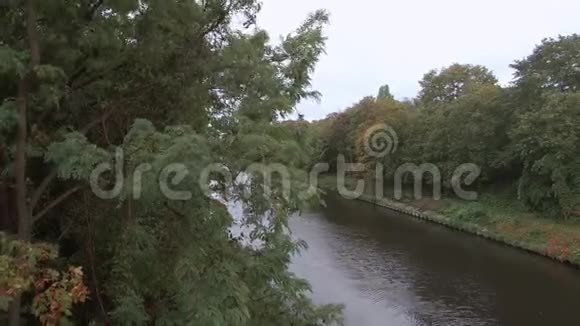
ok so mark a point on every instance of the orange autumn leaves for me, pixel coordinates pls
(24, 268)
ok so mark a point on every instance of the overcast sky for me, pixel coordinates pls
(374, 42)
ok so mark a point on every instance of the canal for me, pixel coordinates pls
(390, 269)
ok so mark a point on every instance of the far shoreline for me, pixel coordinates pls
(564, 250)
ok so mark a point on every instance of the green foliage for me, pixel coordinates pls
(526, 135)
(75, 157)
(547, 141)
(8, 117)
(472, 129)
(445, 86)
(553, 66)
(302, 49)
(167, 83)
(385, 93)
(11, 61)
(471, 214)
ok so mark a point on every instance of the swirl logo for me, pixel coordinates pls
(381, 140)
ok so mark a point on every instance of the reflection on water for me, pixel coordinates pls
(393, 270)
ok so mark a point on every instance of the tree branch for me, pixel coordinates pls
(52, 175)
(95, 77)
(88, 127)
(174, 211)
(55, 203)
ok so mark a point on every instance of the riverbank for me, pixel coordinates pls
(494, 216)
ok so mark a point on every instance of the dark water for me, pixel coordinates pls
(393, 270)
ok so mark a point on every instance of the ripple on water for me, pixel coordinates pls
(393, 270)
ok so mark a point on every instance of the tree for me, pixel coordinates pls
(546, 140)
(525, 134)
(26, 268)
(344, 133)
(554, 65)
(165, 83)
(448, 84)
(385, 93)
(472, 129)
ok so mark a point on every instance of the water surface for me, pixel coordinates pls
(391, 269)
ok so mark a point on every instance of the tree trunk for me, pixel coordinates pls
(20, 163)
(22, 208)
(14, 317)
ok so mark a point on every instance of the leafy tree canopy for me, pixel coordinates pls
(448, 84)
(143, 86)
(554, 65)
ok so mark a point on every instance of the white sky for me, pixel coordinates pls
(373, 42)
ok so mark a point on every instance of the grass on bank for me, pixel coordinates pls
(498, 212)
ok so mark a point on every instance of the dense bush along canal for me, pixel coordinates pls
(390, 269)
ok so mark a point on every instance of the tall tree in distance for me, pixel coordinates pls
(385, 93)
